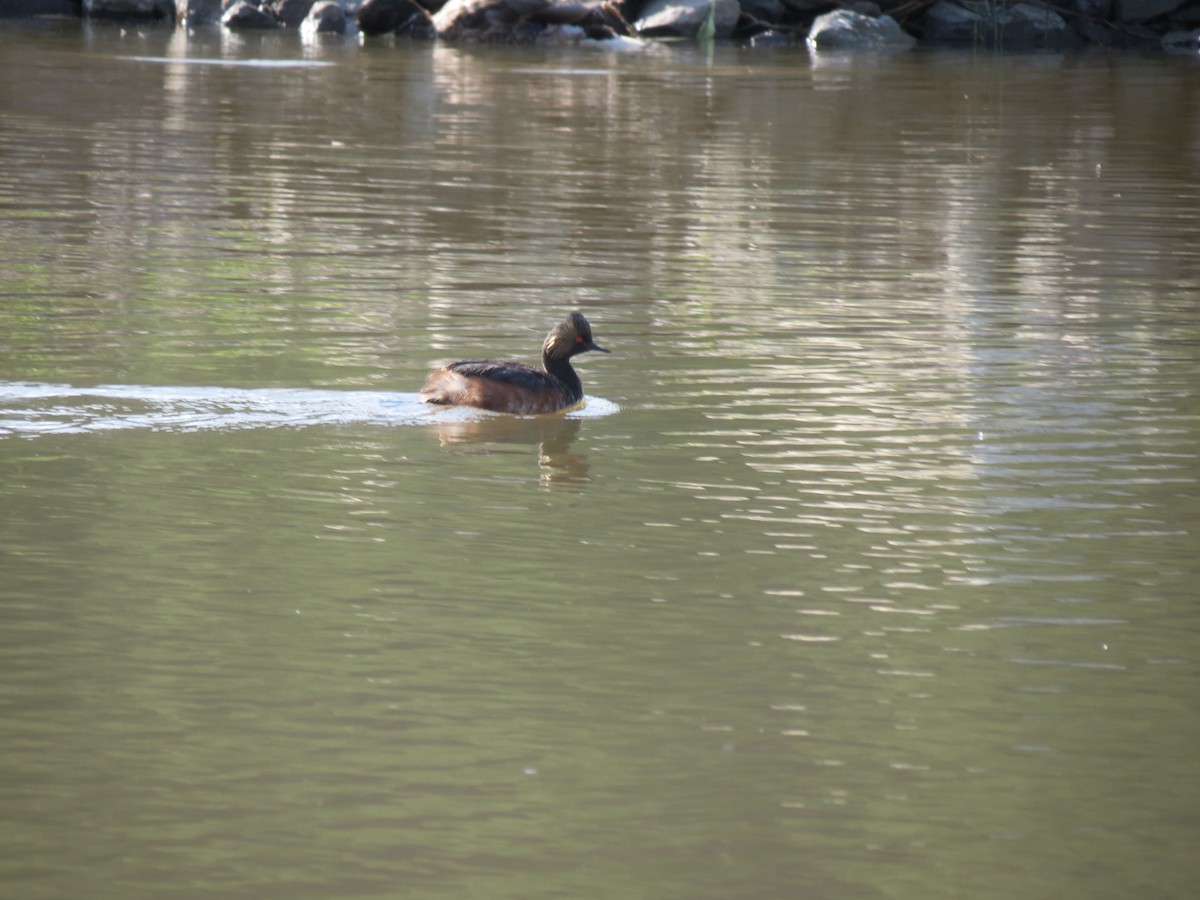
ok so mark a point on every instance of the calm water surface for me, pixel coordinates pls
(869, 570)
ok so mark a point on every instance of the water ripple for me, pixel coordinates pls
(30, 409)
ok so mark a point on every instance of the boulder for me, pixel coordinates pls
(1182, 41)
(1096, 9)
(806, 7)
(764, 10)
(198, 12)
(772, 38)
(605, 22)
(476, 20)
(395, 17)
(981, 23)
(289, 12)
(17, 9)
(846, 30)
(129, 9)
(525, 21)
(243, 15)
(685, 18)
(1029, 27)
(950, 24)
(325, 17)
(1143, 10)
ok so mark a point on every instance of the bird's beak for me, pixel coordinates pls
(590, 345)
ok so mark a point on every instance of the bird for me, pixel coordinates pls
(507, 386)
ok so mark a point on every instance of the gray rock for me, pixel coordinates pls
(325, 17)
(527, 21)
(1129, 36)
(803, 7)
(1187, 16)
(243, 15)
(556, 12)
(1030, 27)
(950, 24)
(289, 12)
(684, 18)
(1021, 26)
(764, 10)
(394, 16)
(1143, 10)
(1096, 9)
(129, 9)
(1182, 41)
(198, 12)
(15, 9)
(476, 20)
(776, 39)
(846, 30)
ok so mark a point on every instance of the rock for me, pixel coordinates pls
(846, 30)
(129, 9)
(605, 22)
(198, 12)
(325, 17)
(525, 21)
(1029, 27)
(395, 17)
(289, 12)
(15, 9)
(775, 39)
(1134, 37)
(949, 24)
(807, 7)
(1096, 9)
(557, 12)
(772, 11)
(685, 18)
(243, 15)
(981, 23)
(1143, 10)
(1182, 41)
(476, 20)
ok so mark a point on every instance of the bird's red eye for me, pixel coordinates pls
(578, 339)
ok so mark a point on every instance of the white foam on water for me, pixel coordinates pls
(30, 409)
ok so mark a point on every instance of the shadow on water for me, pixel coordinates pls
(33, 409)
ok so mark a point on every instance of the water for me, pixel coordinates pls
(867, 570)
(37, 409)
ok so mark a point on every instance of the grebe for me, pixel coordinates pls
(514, 387)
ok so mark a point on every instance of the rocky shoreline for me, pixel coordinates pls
(1020, 25)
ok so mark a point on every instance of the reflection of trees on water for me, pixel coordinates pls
(439, 198)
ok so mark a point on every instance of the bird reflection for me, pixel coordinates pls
(552, 435)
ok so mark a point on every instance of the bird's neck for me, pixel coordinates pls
(560, 368)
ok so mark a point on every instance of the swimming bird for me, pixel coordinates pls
(514, 387)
